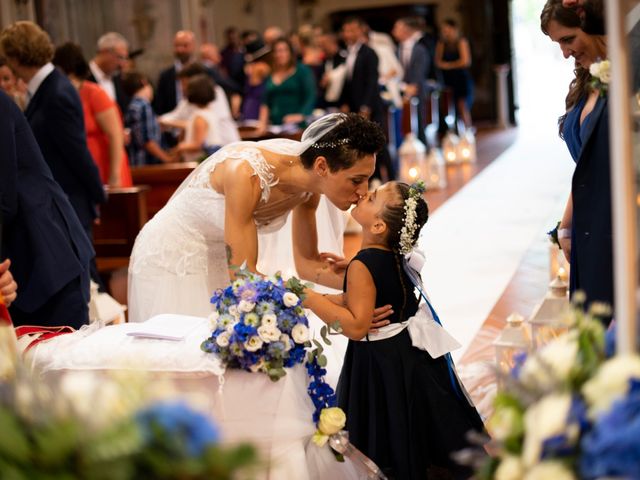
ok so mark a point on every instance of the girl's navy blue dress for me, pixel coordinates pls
(402, 410)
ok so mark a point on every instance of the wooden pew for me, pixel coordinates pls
(121, 218)
(162, 180)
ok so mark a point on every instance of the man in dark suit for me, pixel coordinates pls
(361, 92)
(55, 114)
(111, 55)
(415, 60)
(41, 234)
(168, 92)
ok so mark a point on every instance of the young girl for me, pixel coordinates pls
(405, 409)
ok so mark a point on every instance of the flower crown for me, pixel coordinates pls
(334, 144)
(408, 230)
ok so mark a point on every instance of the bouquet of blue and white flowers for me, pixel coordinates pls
(259, 324)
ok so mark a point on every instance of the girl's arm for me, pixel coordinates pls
(242, 193)
(200, 129)
(309, 263)
(355, 317)
(565, 224)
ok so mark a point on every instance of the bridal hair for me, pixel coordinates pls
(394, 215)
(579, 86)
(342, 138)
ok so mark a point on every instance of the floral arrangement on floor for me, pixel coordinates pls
(91, 427)
(569, 410)
(259, 325)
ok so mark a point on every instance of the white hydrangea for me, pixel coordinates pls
(542, 420)
(610, 382)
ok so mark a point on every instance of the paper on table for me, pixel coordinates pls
(167, 326)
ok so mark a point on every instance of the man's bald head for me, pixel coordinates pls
(184, 45)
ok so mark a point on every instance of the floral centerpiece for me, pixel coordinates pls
(568, 411)
(83, 426)
(259, 324)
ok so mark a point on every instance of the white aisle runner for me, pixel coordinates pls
(476, 240)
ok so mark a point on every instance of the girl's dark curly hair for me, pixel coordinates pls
(393, 215)
(353, 138)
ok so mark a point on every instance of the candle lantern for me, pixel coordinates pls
(413, 165)
(550, 319)
(557, 261)
(514, 340)
(467, 148)
(436, 175)
(450, 147)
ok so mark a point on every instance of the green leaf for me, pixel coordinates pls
(322, 361)
(13, 442)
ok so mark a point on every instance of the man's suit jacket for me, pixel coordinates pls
(41, 232)
(591, 240)
(56, 118)
(165, 99)
(361, 89)
(418, 68)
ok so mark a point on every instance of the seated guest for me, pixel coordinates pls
(144, 147)
(105, 133)
(224, 125)
(200, 130)
(290, 93)
(41, 233)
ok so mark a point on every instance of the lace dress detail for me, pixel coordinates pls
(179, 257)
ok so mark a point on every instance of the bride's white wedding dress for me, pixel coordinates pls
(179, 257)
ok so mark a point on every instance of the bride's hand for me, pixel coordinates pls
(338, 264)
(380, 315)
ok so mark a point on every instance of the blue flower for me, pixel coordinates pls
(179, 423)
(612, 447)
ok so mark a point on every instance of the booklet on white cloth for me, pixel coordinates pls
(167, 326)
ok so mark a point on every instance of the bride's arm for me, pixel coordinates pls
(355, 316)
(309, 263)
(242, 193)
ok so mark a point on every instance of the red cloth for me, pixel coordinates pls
(5, 318)
(94, 101)
(43, 333)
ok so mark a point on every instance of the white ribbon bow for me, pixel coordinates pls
(415, 259)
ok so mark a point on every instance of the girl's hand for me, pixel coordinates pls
(338, 264)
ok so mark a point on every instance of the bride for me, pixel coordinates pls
(213, 220)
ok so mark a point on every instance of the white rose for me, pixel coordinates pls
(246, 306)
(542, 420)
(253, 343)
(290, 299)
(610, 382)
(213, 319)
(510, 468)
(300, 333)
(284, 338)
(505, 422)
(332, 420)
(223, 339)
(594, 69)
(551, 364)
(269, 320)
(230, 326)
(269, 334)
(550, 469)
(233, 310)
